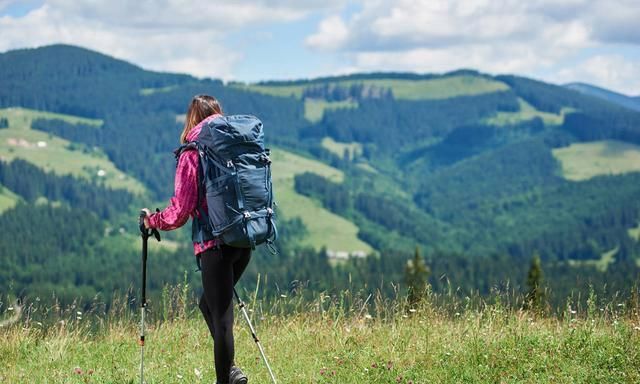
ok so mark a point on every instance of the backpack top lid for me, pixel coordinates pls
(234, 135)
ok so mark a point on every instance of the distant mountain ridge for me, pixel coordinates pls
(605, 94)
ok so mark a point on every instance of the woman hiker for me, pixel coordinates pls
(221, 265)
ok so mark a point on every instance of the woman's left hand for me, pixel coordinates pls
(146, 217)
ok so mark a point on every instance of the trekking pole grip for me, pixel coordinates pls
(147, 232)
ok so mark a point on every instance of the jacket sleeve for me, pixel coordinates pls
(185, 198)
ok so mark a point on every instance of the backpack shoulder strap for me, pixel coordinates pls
(192, 145)
(202, 217)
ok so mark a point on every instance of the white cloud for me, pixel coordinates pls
(332, 32)
(169, 35)
(536, 38)
(611, 71)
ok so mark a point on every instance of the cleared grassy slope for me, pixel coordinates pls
(527, 112)
(314, 108)
(8, 199)
(354, 148)
(58, 155)
(326, 229)
(582, 161)
(404, 89)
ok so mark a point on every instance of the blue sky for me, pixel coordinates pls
(558, 41)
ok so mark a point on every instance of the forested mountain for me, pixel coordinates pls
(480, 172)
(614, 97)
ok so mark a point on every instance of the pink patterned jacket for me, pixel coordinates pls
(185, 199)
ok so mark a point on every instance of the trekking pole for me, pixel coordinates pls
(253, 334)
(145, 233)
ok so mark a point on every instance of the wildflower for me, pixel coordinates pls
(179, 376)
(90, 372)
(77, 370)
(368, 316)
(389, 365)
(374, 365)
(399, 379)
(322, 371)
(198, 373)
(412, 310)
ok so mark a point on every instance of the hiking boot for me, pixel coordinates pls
(237, 377)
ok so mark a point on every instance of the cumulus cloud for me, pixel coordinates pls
(538, 37)
(168, 35)
(612, 71)
(332, 32)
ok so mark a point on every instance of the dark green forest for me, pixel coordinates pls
(479, 200)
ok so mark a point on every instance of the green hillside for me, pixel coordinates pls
(582, 161)
(58, 155)
(314, 108)
(325, 229)
(339, 149)
(527, 112)
(476, 170)
(605, 94)
(403, 89)
(8, 199)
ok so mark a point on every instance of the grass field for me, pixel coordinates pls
(8, 199)
(582, 161)
(326, 229)
(151, 91)
(439, 88)
(634, 233)
(58, 155)
(527, 112)
(601, 264)
(325, 341)
(314, 108)
(354, 148)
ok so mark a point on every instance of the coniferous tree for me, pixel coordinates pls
(416, 275)
(535, 294)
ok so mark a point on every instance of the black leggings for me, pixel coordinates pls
(221, 270)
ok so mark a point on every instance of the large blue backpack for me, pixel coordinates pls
(235, 175)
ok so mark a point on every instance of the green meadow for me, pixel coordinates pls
(527, 112)
(582, 161)
(8, 199)
(314, 108)
(325, 229)
(341, 339)
(57, 155)
(354, 149)
(403, 89)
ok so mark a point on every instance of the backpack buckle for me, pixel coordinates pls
(269, 211)
(246, 215)
(229, 163)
